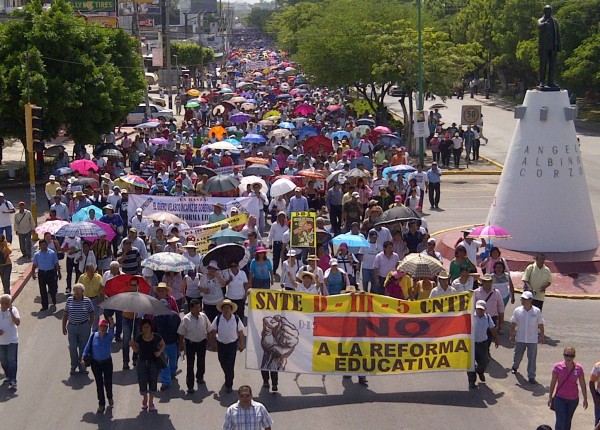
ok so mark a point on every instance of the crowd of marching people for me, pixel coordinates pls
(260, 131)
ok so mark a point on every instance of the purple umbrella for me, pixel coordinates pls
(159, 141)
(239, 118)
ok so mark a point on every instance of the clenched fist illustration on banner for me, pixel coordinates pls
(279, 338)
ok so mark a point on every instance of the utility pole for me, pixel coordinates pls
(166, 38)
(420, 77)
(33, 133)
(135, 28)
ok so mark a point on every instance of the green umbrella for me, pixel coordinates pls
(227, 236)
(192, 104)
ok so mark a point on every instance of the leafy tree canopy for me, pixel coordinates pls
(190, 54)
(86, 77)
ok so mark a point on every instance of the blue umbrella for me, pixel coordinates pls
(254, 101)
(233, 141)
(287, 125)
(400, 169)
(84, 214)
(306, 132)
(254, 138)
(63, 171)
(352, 240)
(389, 140)
(341, 134)
(366, 161)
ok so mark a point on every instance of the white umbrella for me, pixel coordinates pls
(280, 132)
(165, 217)
(281, 187)
(224, 146)
(253, 180)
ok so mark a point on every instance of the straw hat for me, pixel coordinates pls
(162, 286)
(351, 289)
(225, 302)
(173, 240)
(304, 273)
(190, 245)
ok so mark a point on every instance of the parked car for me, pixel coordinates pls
(396, 91)
(157, 101)
(156, 112)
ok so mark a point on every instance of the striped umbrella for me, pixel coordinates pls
(80, 229)
(136, 180)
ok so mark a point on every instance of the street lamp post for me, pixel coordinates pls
(420, 75)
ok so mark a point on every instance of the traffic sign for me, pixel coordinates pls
(471, 115)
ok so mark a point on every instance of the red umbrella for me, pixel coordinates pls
(333, 108)
(256, 160)
(120, 284)
(315, 142)
(312, 175)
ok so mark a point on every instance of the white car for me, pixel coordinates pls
(156, 112)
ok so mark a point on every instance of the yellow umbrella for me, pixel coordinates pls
(271, 113)
(193, 92)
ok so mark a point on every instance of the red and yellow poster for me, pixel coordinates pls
(358, 333)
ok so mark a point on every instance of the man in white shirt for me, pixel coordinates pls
(472, 246)
(62, 211)
(367, 256)
(193, 334)
(443, 287)
(383, 235)
(527, 329)
(136, 242)
(138, 222)
(422, 182)
(114, 198)
(275, 238)
(151, 229)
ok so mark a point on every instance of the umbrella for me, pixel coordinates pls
(399, 169)
(168, 262)
(306, 132)
(333, 108)
(316, 142)
(254, 138)
(83, 166)
(239, 118)
(249, 180)
(366, 121)
(111, 152)
(396, 214)
(490, 231)
(50, 227)
(237, 99)
(165, 217)
(247, 106)
(120, 284)
(221, 184)
(203, 170)
(192, 104)
(80, 229)
(219, 110)
(271, 113)
(305, 109)
(280, 132)
(228, 234)
(285, 149)
(135, 180)
(357, 173)
(298, 122)
(257, 160)
(226, 90)
(311, 175)
(233, 141)
(219, 132)
(335, 175)
(193, 93)
(63, 171)
(165, 154)
(420, 266)
(382, 130)
(352, 240)
(223, 146)
(139, 303)
(257, 170)
(53, 150)
(323, 236)
(84, 214)
(365, 161)
(438, 106)
(109, 233)
(340, 134)
(159, 141)
(351, 153)
(224, 255)
(360, 131)
(281, 187)
(284, 97)
(149, 124)
(267, 122)
(389, 140)
(85, 182)
(287, 125)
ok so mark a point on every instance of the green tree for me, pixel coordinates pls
(191, 54)
(582, 68)
(258, 18)
(286, 25)
(86, 77)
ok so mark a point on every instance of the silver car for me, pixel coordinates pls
(156, 112)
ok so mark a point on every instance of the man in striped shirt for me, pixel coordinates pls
(246, 414)
(129, 258)
(76, 323)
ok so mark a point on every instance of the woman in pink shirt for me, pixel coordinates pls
(565, 375)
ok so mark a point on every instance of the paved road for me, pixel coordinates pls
(48, 398)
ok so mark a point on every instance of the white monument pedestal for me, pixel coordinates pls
(542, 199)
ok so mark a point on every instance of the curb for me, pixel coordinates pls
(18, 286)
(492, 162)
(520, 291)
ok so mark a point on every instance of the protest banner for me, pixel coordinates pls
(358, 333)
(200, 234)
(193, 210)
(303, 230)
(228, 170)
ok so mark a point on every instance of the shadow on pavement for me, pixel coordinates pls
(78, 381)
(6, 394)
(145, 420)
(536, 390)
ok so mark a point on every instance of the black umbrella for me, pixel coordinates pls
(85, 182)
(257, 170)
(221, 184)
(111, 152)
(366, 121)
(285, 149)
(203, 170)
(396, 214)
(224, 255)
(53, 150)
(389, 140)
(323, 236)
(165, 154)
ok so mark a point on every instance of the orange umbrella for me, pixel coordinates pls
(256, 160)
(312, 175)
(219, 132)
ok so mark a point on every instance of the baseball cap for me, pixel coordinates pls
(527, 295)
(52, 177)
(373, 232)
(431, 240)
(138, 211)
(481, 304)
(486, 278)
(355, 194)
(103, 323)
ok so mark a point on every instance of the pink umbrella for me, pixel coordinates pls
(382, 129)
(333, 108)
(159, 141)
(83, 166)
(110, 233)
(351, 153)
(490, 231)
(50, 227)
(305, 109)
